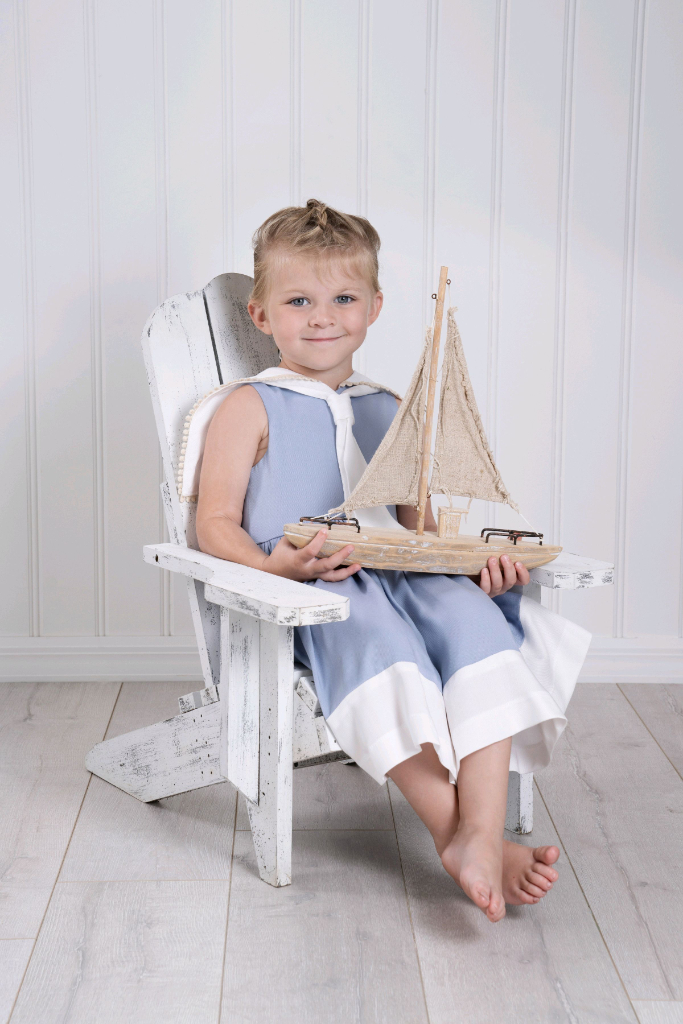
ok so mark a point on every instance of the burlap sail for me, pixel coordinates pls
(392, 476)
(463, 462)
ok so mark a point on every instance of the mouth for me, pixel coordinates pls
(335, 338)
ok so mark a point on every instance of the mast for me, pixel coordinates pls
(429, 418)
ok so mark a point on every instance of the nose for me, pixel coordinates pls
(321, 316)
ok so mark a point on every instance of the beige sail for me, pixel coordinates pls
(392, 476)
(463, 462)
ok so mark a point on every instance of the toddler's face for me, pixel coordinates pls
(318, 313)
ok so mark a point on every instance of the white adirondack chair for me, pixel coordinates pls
(257, 716)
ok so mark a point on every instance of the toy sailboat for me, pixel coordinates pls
(399, 474)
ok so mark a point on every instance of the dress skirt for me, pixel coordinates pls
(430, 658)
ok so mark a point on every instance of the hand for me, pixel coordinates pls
(496, 578)
(303, 564)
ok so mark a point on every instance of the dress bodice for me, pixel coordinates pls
(299, 474)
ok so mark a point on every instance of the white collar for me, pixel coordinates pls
(352, 464)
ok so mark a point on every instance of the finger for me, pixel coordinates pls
(494, 571)
(333, 560)
(339, 574)
(522, 574)
(509, 571)
(314, 545)
(485, 580)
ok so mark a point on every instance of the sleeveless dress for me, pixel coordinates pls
(423, 657)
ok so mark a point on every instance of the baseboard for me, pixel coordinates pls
(101, 659)
(648, 659)
(174, 659)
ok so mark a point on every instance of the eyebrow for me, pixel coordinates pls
(303, 292)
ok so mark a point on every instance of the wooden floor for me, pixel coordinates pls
(112, 911)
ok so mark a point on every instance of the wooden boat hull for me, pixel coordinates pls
(402, 549)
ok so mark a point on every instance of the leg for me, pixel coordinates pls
(271, 817)
(527, 873)
(474, 856)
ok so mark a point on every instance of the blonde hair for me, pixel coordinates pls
(318, 230)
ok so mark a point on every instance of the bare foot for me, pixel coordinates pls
(527, 872)
(474, 860)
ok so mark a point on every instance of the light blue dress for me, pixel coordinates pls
(423, 657)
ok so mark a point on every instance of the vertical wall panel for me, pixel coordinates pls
(466, 101)
(15, 320)
(604, 38)
(194, 95)
(398, 48)
(262, 139)
(68, 596)
(125, 165)
(520, 425)
(329, 102)
(655, 467)
(534, 148)
(194, 98)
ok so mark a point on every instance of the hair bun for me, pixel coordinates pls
(318, 211)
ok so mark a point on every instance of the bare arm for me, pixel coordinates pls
(236, 440)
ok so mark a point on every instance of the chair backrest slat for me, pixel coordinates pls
(191, 344)
(242, 350)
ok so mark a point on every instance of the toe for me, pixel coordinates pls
(496, 908)
(481, 895)
(525, 897)
(544, 869)
(533, 890)
(546, 854)
(540, 881)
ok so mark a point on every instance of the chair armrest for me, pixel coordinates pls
(250, 591)
(573, 572)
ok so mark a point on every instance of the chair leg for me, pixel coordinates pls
(520, 808)
(271, 816)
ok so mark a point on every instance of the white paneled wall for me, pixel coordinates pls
(534, 146)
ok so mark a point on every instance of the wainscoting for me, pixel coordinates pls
(532, 147)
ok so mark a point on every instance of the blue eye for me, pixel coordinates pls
(344, 300)
(298, 301)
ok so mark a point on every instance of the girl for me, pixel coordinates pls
(432, 678)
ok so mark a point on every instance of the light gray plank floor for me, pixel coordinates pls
(188, 836)
(126, 952)
(543, 963)
(617, 802)
(158, 913)
(338, 942)
(14, 956)
(659, 1012)
(334, 796)
(661, 710)
(45, 732)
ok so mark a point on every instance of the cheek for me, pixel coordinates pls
(286, 321)
(355, 317)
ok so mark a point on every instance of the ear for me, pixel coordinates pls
(375, 308)
(260, 317)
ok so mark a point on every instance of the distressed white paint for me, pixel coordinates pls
(248, 590)
(198, 699)
(271, 817)
(240, 683)
(533, 151)
(160, 760)
(573, 572)
(519, 816)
